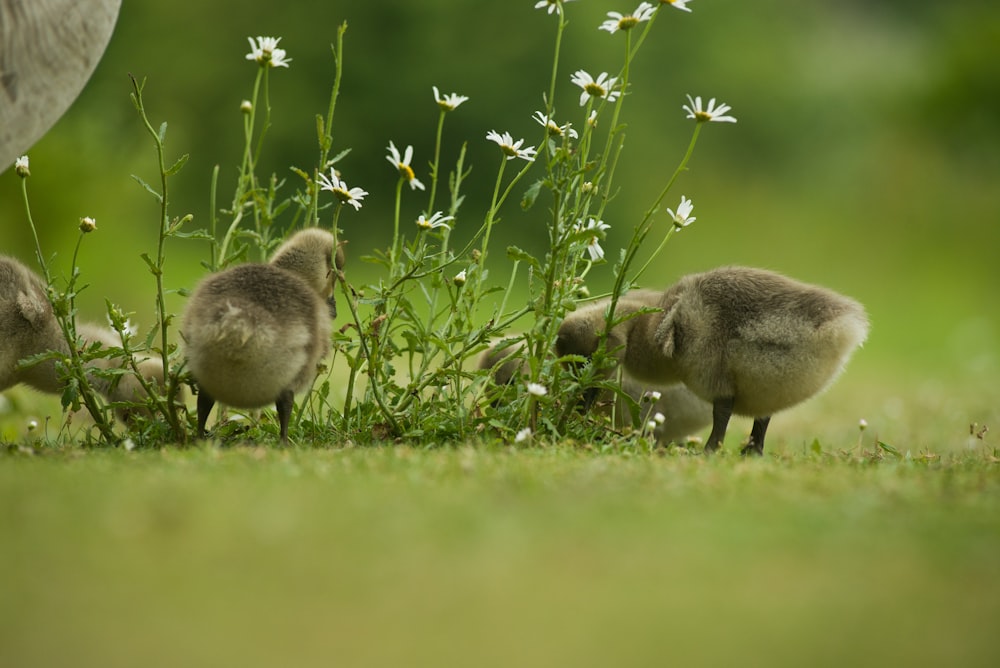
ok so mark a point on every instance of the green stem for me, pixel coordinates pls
(437, 161)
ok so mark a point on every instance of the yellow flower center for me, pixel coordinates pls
(406, 172)
(595, 90)
(627, 22)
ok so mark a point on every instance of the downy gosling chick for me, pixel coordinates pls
(29, 327)
(254, 334)
(683, 412)
(750, 341)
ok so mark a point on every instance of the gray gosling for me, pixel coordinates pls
(750, 341)
(254, 334)
(29, 327)
(683, 412)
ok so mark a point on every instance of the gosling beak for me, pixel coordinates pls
(332, 303)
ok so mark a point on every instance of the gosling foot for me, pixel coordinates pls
(756, 444)
(205, 404)
(722, 410)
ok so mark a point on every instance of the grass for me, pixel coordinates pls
(494, 556)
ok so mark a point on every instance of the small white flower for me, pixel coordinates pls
(552, 5)
(862, 424)
(512, 149)
(601, 87)
(553, 128)
(592, 119)
(523, 435)
(710, 113)
(683, 217)
(87, 224)
(21, 167)
(448, 102)
(129, 445)
(651, 395)
(659, 418)
(620, 21)
(352, 196)
(598, 228)
(32, 425)
(403, 165)
(459, 279)
(677, 4)
(537, 389)
(246, 106)
(435, 221)
(266, 52)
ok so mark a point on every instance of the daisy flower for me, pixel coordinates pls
(683, 217)
(537, 389)
(551, 6)
(346, 195)
(710, 113)
(459, 278)
(677, 4)
(594, 246)
(512, 149)
(266, 52)
(448, 102)
(659, 418)
(21, 167)
(435, 221)
(523, 435)
(554, 129)
(602, 87)
(651, 395)
(403, 165)
(619, 21)
(87, 224)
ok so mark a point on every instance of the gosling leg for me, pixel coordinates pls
(284, 405)
(205, 404)
(756, 444)
(722, 410)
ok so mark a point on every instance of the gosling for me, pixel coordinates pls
(750, 341)
(28, 327)
(683, 412)
(254, 334)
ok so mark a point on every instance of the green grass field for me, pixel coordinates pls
(494, 556)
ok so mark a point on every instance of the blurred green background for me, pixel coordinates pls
(865, 158)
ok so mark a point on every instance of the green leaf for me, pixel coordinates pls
(335, 159)
(162, 134)
(530, 195)
(177, 166)
(888, 448)
(515, 253)
(816, 448)
(148, 188)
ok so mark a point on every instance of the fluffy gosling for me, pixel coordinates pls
(254, 334)
(750, 341)
(29, 327)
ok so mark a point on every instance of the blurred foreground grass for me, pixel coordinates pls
(458, 556)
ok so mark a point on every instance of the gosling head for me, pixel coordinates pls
(314, 255)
